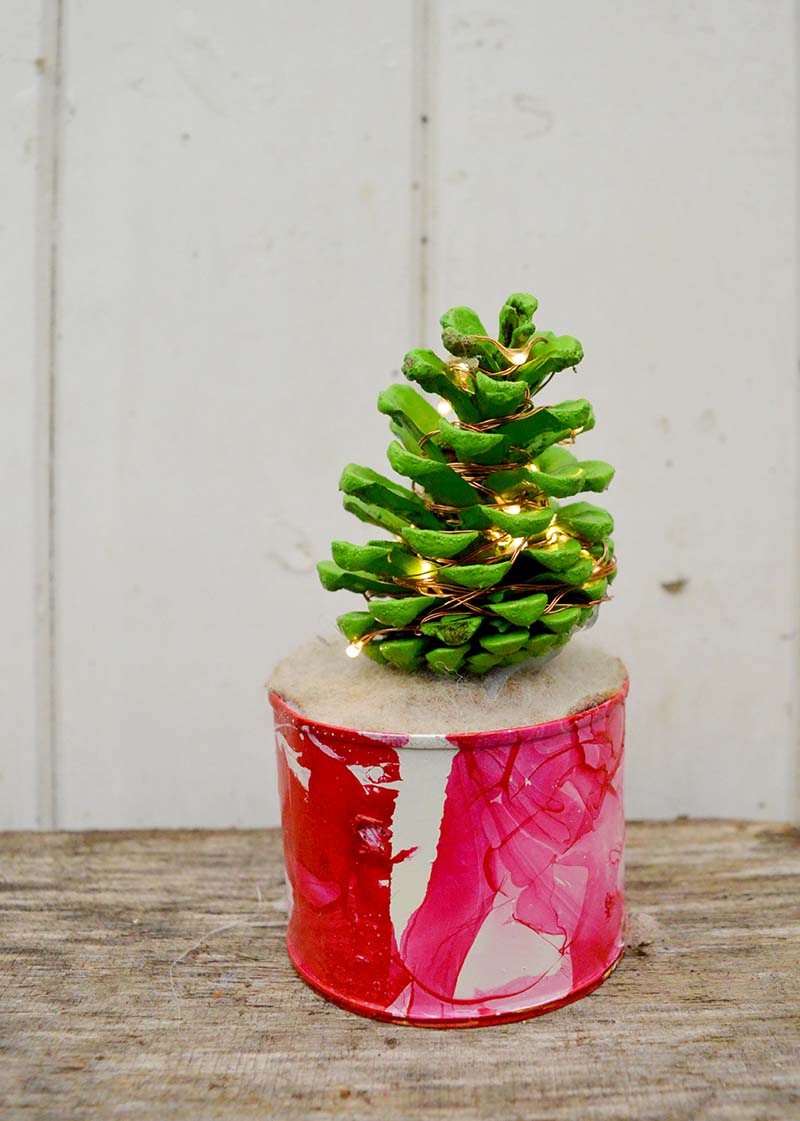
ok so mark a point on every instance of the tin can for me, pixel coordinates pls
(454, 880)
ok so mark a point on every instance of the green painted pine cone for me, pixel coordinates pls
(487, 564)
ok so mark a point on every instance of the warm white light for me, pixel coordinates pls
(354, 649)
(555, 536)
(517, 542)
(512, 509)
(443, 407)
(519, 357)
(462, 370)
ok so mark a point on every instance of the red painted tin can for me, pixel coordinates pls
(454, 880)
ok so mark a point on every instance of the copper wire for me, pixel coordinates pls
(456, 598)
(507, 352)
(456, 603)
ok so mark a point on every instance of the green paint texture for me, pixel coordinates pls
(486, 565)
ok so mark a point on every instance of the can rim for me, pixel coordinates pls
(493, 737)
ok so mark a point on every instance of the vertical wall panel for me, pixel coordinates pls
(20, 80)
(235, 288)
(635, 168)
(230, 173)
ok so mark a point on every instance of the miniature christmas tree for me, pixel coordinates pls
(485, 566)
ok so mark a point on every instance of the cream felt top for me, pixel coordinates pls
(317, 680)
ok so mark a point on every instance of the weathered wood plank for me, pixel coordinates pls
(144, 974)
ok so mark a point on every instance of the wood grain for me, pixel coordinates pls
(144, 975)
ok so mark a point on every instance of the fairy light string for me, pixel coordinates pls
(489, 550)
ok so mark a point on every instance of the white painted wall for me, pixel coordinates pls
(646, 164)
(252, 222)
(22, 440)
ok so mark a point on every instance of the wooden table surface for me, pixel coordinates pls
(143, 975)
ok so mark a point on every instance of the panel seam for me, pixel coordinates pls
(421, 167)
(45, 344)
(795, 810)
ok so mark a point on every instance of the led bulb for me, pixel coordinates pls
(443, 407)
(354, 649)
(519, 357)
(512, 509)
(517, 542)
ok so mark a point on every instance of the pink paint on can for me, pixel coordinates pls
(454, 880)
